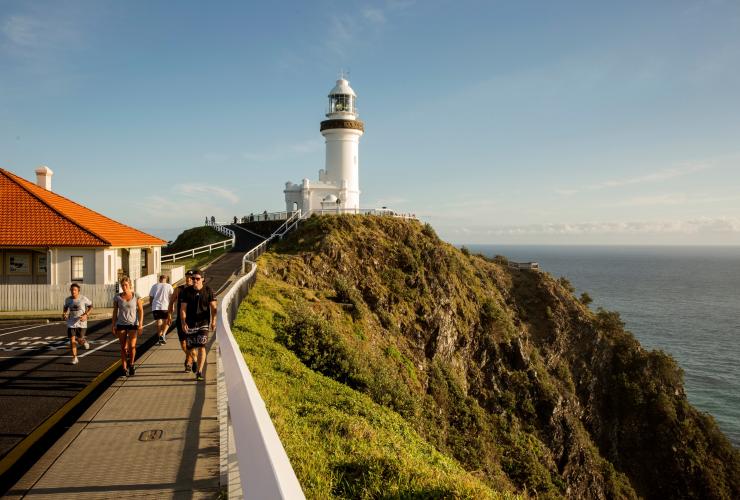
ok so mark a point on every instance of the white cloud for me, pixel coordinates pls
(21, 31)
(347, 29)
(652, 177)
(673, 199)
(374, 15)
(206, 192)
(727, 225)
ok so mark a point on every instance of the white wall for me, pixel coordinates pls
(342, 162)
(134, 263)
(64, 264)
(143, 284)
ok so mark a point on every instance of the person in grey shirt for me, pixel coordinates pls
(76, 311)
(128, 323)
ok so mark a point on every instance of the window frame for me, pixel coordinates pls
(72, 275)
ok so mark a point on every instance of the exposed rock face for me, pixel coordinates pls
(505, 370)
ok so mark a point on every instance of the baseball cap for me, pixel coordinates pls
(190, 273)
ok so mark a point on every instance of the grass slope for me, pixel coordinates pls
(194, 238)
(340, 442)
(375, 344)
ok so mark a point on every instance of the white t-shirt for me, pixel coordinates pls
(160, 294)
(76, 308)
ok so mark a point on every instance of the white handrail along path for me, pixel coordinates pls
(265, 472)
(172, 257)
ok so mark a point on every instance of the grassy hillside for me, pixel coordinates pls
(395, 365)
(193, 238)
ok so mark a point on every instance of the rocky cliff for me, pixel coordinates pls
(505, 371)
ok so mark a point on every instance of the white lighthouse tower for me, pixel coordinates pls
(338, 187)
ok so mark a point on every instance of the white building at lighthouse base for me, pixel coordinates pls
(322, 194)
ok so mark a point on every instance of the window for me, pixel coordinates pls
(342, 103)
(110, 268)
(143, 261)
(77, 268)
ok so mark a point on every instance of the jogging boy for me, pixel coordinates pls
(76, 311)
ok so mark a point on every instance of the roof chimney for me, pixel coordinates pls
(43, 177)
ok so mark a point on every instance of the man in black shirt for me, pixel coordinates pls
(198, 318)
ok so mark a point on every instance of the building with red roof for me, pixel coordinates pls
(46, 238)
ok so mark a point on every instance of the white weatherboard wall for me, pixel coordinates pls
(144, 284)
(64, 264)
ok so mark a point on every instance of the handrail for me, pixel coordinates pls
(172, 257)
(380, 212)
(285, 226)
(264, 468)
(221, 228)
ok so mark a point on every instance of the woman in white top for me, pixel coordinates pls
(128, 322)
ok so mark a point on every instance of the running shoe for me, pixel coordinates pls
(195, 367)
(86, 345)
(132, 370)
(75, 360)
(125, 372)
(199, 376)
(163, 340)
(187, 367)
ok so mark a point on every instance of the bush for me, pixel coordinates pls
(317, 344)
(586, 299)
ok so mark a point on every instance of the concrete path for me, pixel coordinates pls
(153, 435)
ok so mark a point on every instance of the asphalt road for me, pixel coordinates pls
(36, 374)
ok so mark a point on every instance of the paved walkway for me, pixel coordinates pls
(154, 435)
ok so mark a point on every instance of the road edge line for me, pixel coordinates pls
(15, 454)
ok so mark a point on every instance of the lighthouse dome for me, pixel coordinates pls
(330, 199)
(342, 88)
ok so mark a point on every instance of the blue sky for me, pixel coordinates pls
(497, 122)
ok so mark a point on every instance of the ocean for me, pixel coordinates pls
(683, 300)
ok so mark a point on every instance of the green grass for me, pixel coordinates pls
(200, 261)
(341, 444)
(193, 238)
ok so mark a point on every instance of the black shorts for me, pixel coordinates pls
(197, 337)
(128, 328)
(159, 314)
(77, 332)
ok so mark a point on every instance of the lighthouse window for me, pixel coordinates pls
(342, 103)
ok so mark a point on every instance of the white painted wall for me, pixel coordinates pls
(143, 284)
(64, 264)
(134, 263)
(342, 164)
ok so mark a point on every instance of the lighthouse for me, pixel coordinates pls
(338, 186)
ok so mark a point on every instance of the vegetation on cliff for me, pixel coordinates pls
(395, 365)
(193, 238)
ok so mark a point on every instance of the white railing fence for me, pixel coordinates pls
(51, 297)
(359, 211)
(263, 468)
(221, 228)
(188, 254)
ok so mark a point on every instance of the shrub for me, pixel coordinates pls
(586, 299)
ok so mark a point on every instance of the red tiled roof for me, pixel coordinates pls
(32, 216)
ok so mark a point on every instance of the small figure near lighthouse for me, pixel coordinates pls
(338, 187)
